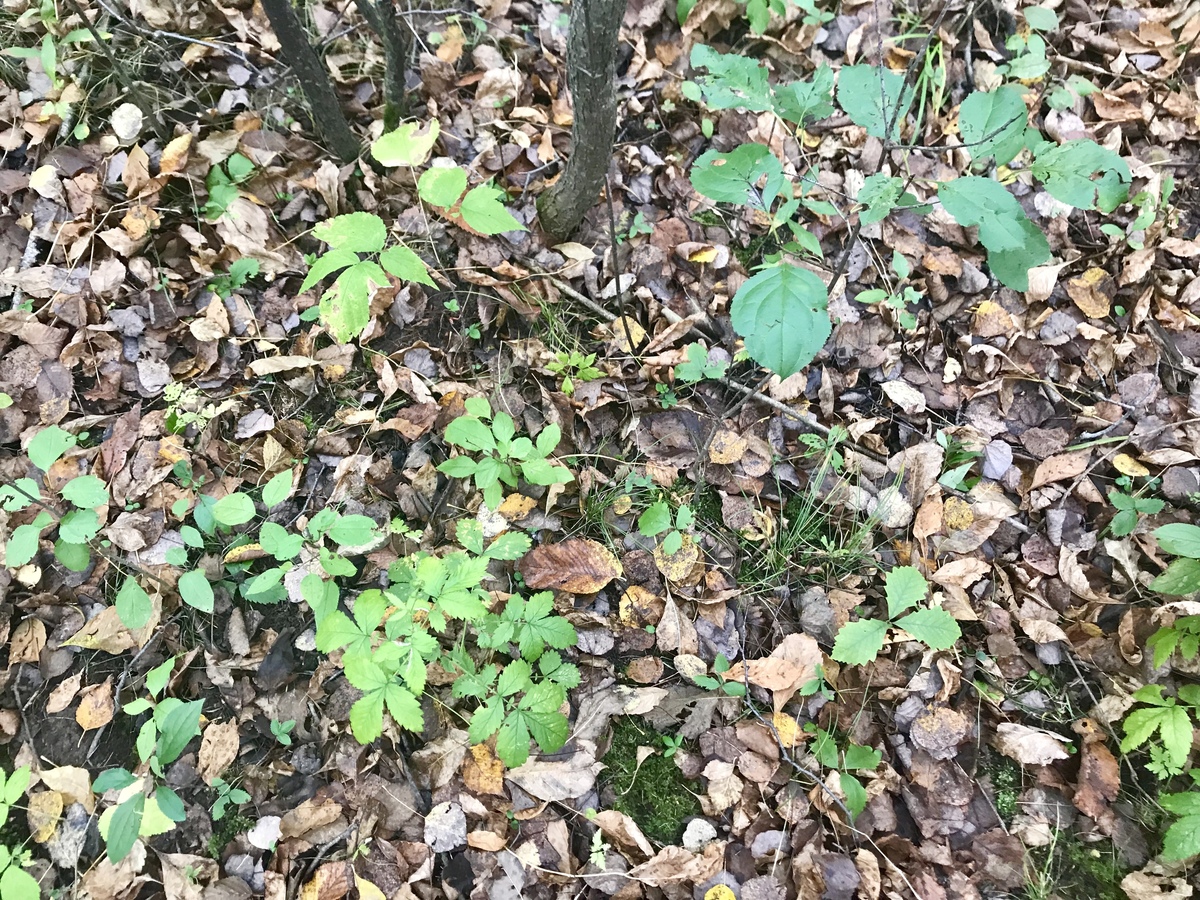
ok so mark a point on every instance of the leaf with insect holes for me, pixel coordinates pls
(874, 97)
(751, 174)
(935, 628)
(993, 123)
(406, 146)
(346, 307)
(1069, 173)
(734, 81)
(358, 232)
(859, 643)
(781, 314)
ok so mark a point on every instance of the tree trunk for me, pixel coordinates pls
(314, 79)
(381, 15)
(591, 74)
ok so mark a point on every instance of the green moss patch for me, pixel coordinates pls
(655, 794)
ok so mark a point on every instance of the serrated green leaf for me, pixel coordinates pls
(326, 265)
(1181, 804)
(1179, 539)
(992, 124)
(781, 314)
(1181, 577)
(86, 491)
(17, 884)
(484, 212)
(1182, 839)
(366, 717)
(406, 265)
(48, 446)
(801, 102)
(512, 743)
(859, 643)
(510, 545)
(542, 471)
(486, 721)
(358, 232)
(442, 185)
(735, 177)
(404, 708)
(233, 509)
(656, 519)
(406, 146)
(734, 81)
(133, 604)
(346, 306)
(1015, 245)
(22, 546)
(874, 97)
(935, 628)
(879, 194)
(904, 587)
(1069, 173)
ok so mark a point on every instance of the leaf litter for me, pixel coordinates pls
(153, 256)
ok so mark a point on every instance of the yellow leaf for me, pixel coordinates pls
(1127, 465)
(43, 812)
(719, 892)
(705, 255)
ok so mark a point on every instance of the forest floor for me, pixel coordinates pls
(1003, 459)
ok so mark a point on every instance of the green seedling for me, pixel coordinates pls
(858, 643)
(574, 367)
(282, 731)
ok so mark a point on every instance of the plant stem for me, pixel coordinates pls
(397, 45)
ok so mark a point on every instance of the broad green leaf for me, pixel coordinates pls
(358, 232)
(279, 542)
(1182, 839)
(346, 306)
(48, 446)
(510, 545)
(735, 177)
(780, 312)
(541, 471)
(1070, 172)
(1182, 577)
(326, 265)
(548, 439)
(16, 496)
(233, 509)
(133, 604)
(196, 591)
(113, 780)
(406, 146)
(549, 728)
(656, 519)
(1015, 245)
(1179, 539)
(79, 526)
(859, 643)
(75, 557)
(802, 102)
(874, 98)
(442, 185)
(353, 531)
(879, 194)
(993, 123)
(486, 720)
(124, 826)
(158, 678)
(86, 491)
(905, 587)
(514, 678)
(856, 794)
(338, 630)
(404, 707)
(1040, 18)
(734, 81)
(935, 628)
(16, 784)
(178, 727)
(470, 434)
(5, 400)
(169, 803)
(23, 545)
(458, 467)
(512, 743)
(860, 757)
(484, 212)
(405, 265)
(1181, 804)
(17, 884)
(277, 489)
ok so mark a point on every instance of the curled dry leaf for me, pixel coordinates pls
(96, 707)
(1029, 746)
(577, 565)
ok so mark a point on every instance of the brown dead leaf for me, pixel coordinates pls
(96, 706)
(645, 669)
(727, 447)
(577, 565)
(558, 780)
(332, 882)
(218, 748)
(104, 631)
(939, 731)
(679, 566)
(74, 783)
(486, 840)
(451, 48)
(623, 830)
(1061, 467)
(1029, 746)
(1099, 780)
(62, 695)
(27, 641)
(676, 866)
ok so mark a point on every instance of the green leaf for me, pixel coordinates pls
(873, 97)
(1179, 539)
(5, 400)
(470, 433)
(656, 519)
(1123, 523)
(458, 467)
(801, 102)
(406, 265)
(935, 628)
(17, 884)
(780, 312)
(1170, 722)
(75, 557)
(48, 446)
(366, 717)
(23, 545)
(358, 232)
(277, 489)
(1014, 243)
(86, 491)
(133, 604)
(1040, 18)
(124, 826)
(734, 81)
(548, 439)
(169, 803)
(1181, 804)
(233, 509)
(178, 727)
(326, 265)
(158, 678)
(512, 743)
(346, 306)
(1069, 172)
(79, 526)
(904, 587)
(279, 542)
(113, 780)
(442, 185)
(406, 146)
(510, 545)
(196, 591)
(856, 794)
(1181, 577)
(860, 757)
(993, 124)
(353, 531)
(16, 784)
(541, 471)
(1182, 839)
(734, 177)
(879, 194)
(859, 643)
(404, 707)
(483, 210)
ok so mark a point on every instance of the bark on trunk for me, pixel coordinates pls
(314, 79)
(381, 15)
(591, 72)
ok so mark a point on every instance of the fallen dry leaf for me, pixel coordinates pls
(577, 565)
